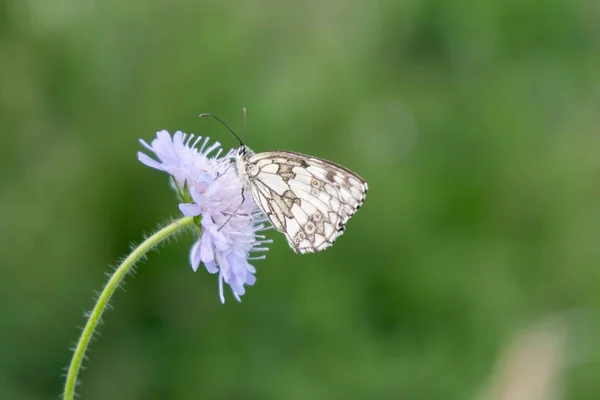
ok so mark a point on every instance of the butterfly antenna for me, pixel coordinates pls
(224, 124)
(245, 130)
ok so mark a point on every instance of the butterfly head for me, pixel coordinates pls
(243, 152)
(242, 156)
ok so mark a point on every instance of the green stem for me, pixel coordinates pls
(112, 284)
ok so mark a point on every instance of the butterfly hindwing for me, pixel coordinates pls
(306, 198)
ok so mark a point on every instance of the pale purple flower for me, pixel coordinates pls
(230, 224)
(179, 157)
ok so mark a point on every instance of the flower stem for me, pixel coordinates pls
(112, 284)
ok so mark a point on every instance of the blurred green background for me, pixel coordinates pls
(474, 123)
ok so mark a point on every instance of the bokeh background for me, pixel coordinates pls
(472, 270)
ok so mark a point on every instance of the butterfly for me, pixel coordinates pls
(308, 199)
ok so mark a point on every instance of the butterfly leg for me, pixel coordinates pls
(224, 172)
(236, 210)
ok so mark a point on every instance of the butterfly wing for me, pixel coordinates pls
(306, 198)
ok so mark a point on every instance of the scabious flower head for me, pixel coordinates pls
(210, 188)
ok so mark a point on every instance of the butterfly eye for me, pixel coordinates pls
(242, 150)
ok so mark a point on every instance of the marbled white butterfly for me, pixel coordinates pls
(306, 198)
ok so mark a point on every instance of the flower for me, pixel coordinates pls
(230, 222)
(180, 158)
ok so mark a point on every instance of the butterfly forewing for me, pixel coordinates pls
(307, 198)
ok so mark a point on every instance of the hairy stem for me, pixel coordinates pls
(104, 297)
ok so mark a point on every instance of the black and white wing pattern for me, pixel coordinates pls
(306, 198)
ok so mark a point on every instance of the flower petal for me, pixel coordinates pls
(250, 279)
(189, 209)
(146, 160)
(250, 268)
(198, 197)
(146, 145)
(211, 267)
(206, 251)
(221, 296)
(195, 254)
